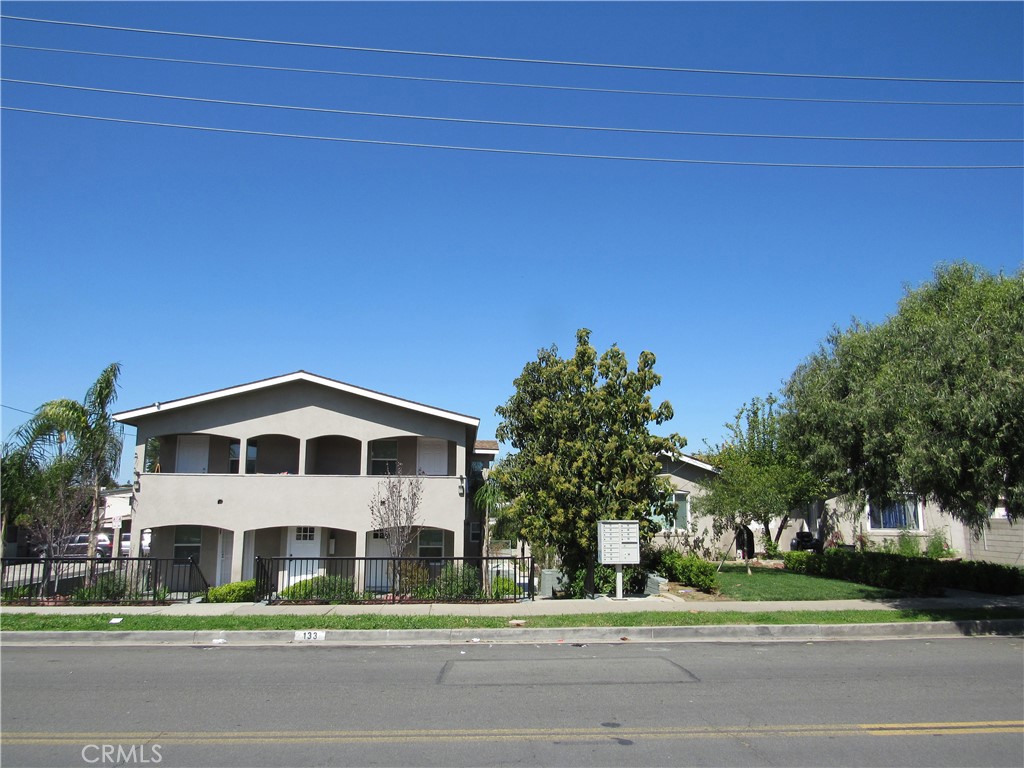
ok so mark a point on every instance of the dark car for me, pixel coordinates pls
(78, 546)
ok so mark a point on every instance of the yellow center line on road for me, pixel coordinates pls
(50, 738)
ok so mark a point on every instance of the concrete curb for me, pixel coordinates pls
(739, 633)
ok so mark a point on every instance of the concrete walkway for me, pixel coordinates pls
(542, 607)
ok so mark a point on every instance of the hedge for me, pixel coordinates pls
(915, 575)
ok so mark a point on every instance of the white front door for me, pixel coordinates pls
(432, 456)
(193, 454)
(378, 564)
(225, 541)
(303, 542)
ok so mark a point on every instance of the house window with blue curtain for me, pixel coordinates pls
(894, 515)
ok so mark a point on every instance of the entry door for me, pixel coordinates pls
(193, 454)
(433, 456)
(303, 541)
(378, 564)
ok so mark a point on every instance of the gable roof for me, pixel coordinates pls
(684, 458)
(489, 447)
(129, 417)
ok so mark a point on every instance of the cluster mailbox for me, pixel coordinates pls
(618, 542)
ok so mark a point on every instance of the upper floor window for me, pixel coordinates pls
(384, 457)
(898, 514)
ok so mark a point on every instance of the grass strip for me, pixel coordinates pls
(35, 622)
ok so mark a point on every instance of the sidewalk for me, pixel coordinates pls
(521, 632)
(540, 607)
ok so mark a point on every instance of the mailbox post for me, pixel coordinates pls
(618, 544)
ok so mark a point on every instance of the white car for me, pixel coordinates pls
(126, 543)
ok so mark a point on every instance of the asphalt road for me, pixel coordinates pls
(888, 703)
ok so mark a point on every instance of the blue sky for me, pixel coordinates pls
(201, 260)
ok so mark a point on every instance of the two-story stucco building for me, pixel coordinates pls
(287, 466)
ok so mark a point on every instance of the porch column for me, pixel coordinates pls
(364, 460)
(237, 550)
(302, 456)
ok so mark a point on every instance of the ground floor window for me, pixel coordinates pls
(305, 533)
(187, 540)
(431, 543)
(899, 514)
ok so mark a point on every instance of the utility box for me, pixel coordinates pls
(618, 542)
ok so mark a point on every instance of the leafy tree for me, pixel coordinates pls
(83, 434)
(46, 496)
(583, 449)
(759, 478)
(929, 403)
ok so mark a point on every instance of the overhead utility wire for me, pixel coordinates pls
(533, 153)
(513, 124)
(510, 59)
(537, 86)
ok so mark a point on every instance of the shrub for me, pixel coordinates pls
(236, 592)
(414, 580)
(689, 570)
(634, 579)
(796, 561)
(916, 575)
(771, 549)
(503, 586)
(108, 588)
(325, 589)
(936, 546)
(458, 581)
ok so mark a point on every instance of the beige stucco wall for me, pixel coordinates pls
(286, 419)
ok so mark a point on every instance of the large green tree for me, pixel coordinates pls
(929, 403)
(84, 434)
(760, 479)
(583, 449)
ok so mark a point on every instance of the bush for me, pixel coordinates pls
(634, 579)
(236, 592)
(324, 589)
(936, 546)
(458, 582)
(796, 561)
(109, 588)
(414, 580)
(915, 575)
(771, 549)
(689, 570)
(502, 587)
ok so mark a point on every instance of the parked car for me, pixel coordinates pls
(126, 543)
(78, 545)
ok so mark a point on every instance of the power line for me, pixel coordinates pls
(514, 60)
(532, 153)
(19, 410)
(535, 86)
(510, 123)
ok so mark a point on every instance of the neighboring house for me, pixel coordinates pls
(287, 467)
(685, 473)
(1001, 542)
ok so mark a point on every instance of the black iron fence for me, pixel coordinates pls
(122, 580)
(393, 579)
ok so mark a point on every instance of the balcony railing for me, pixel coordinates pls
(393, 579)
(120, 581)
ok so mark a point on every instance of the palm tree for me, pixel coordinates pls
(84, 432)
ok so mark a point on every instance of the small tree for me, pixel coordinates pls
(394, 509)
(759, 479)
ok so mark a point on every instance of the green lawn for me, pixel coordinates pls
(101, 622)
(780, 584)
